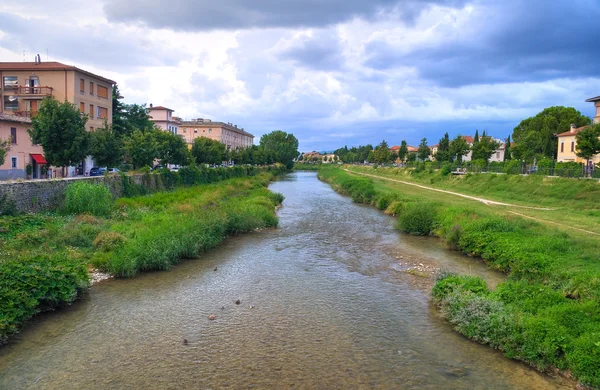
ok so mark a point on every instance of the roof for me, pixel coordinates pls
(215, 124)
(594, 99)
(412, 149)
(571, 132)
(395, 147)
(160, 108)
(434, 146)
(469, 139)
(50, 66)
(14, 118)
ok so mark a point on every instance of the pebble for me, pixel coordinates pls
(238, 302)
(212, 317)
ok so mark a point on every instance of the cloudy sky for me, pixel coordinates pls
(333, 72)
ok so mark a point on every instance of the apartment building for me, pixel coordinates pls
(163, 118)
(226, 133)
(25, 84)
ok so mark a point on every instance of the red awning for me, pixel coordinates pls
(39, 159)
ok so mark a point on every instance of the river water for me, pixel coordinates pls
(324, 304)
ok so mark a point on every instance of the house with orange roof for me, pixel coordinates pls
(567, 141)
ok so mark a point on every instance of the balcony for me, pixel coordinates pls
(25, 114)
(33, 92)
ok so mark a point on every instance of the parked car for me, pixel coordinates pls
(97, 171)
(113, 171)
(157, 167)
(532, 170)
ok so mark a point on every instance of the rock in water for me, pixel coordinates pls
(215, 269)
(238, 302)
(212, 317)
(185, 342)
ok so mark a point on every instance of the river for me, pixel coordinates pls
(324, 304)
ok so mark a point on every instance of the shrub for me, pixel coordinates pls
(446, 169)
(108, 241)
(395, 208)
(8, 207)
(418, 219)
(82, 197)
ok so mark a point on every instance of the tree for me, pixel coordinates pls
(403, 151)
(459, 148)
(283, 147)
(106, 147)
(208, 151)
(171, 148)
(536, 136)
(4, 148)
(119, 123)
(476, 138)
(140, 148)
(424, 152)
(443, 152)
(507, 152)
(381, 155)
(484, 149)
(60, 129)
(411, 157)
(588, 142)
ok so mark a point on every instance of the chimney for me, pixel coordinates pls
(150, 105)
(573, 127)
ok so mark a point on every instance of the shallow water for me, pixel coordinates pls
(325, 304)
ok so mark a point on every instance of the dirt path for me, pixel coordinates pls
(484, 201)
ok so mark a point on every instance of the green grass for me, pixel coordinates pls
(547, 313)
(44, 258)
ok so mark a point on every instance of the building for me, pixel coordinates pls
(226, 133)
(163, 118)
(567, 141)
(596, 101)
(25, 84)
(22, 152)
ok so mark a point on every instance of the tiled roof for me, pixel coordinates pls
(33, 66)
(571, 132)
(160, 108)
(412, 149)
(14, 118)
(468, 138)
(395, 148)
(215, 124)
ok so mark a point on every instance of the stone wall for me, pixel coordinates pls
(32, 196)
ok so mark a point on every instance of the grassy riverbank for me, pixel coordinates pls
(45, 258)
(547, 313)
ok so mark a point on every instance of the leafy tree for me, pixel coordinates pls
(119, 121)
(4, 148)
(60, 129)
(588, 142)
(443, 152)
(171, 148)
(140, 148)
(281, 146)
(484, 149)
(381, 155)
(459, 148)
(393, 156)
(106, 147)
(536, 136)
(208, 151)
(403, 151)
(371, 157)
(424, 152)
(507, 152)
(411, 157)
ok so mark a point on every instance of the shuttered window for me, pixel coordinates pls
(13, 135)
(82, 107)
(102, 113)
(91, 88)
(92, 110)
(102, 92)
(82, 85)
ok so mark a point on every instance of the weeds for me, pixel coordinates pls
(82, 198)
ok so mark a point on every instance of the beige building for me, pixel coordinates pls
(163, 118)
(25, 84)
(226, 133)
(567, 141)
(596, 101)
(22, 152)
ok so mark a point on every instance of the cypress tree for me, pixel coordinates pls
(476, 139)
(507, 155)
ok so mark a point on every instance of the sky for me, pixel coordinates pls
(332, 72)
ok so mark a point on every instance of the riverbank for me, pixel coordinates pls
(45, 258)
(546, 314)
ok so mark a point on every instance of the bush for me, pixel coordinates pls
(108, 241)
(446, 169)
(395, 208)
(82, 197)
(8, 207)
(418, 219)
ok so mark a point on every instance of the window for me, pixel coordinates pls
(209, 131)
(92, 111)
(13, 162)
(82, 107)
(562, 147)
(11, 82)
(13, 135)
(184, 131)
(11, 103)
(81, 85)
(91, 88)
(102, 112)
(572, 146)
(102, 92)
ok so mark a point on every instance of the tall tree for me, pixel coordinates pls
(588, 142)
(443, 152)
(536, 136)
(106, 147)
(484, 149)
(381, 155)
(459, 148)
(476, 138)
(507, 151)
(119, 122)
(171, 148)
(403, 151)
(60, 129)
(4, 148)
(140, 148)
(281, 146)
(208, 151)
(424, 152)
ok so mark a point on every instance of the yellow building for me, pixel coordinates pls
(567, 141)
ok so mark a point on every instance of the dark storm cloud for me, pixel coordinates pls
(97, 46)
(200, 15)
(321, 51)
(518, 41)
